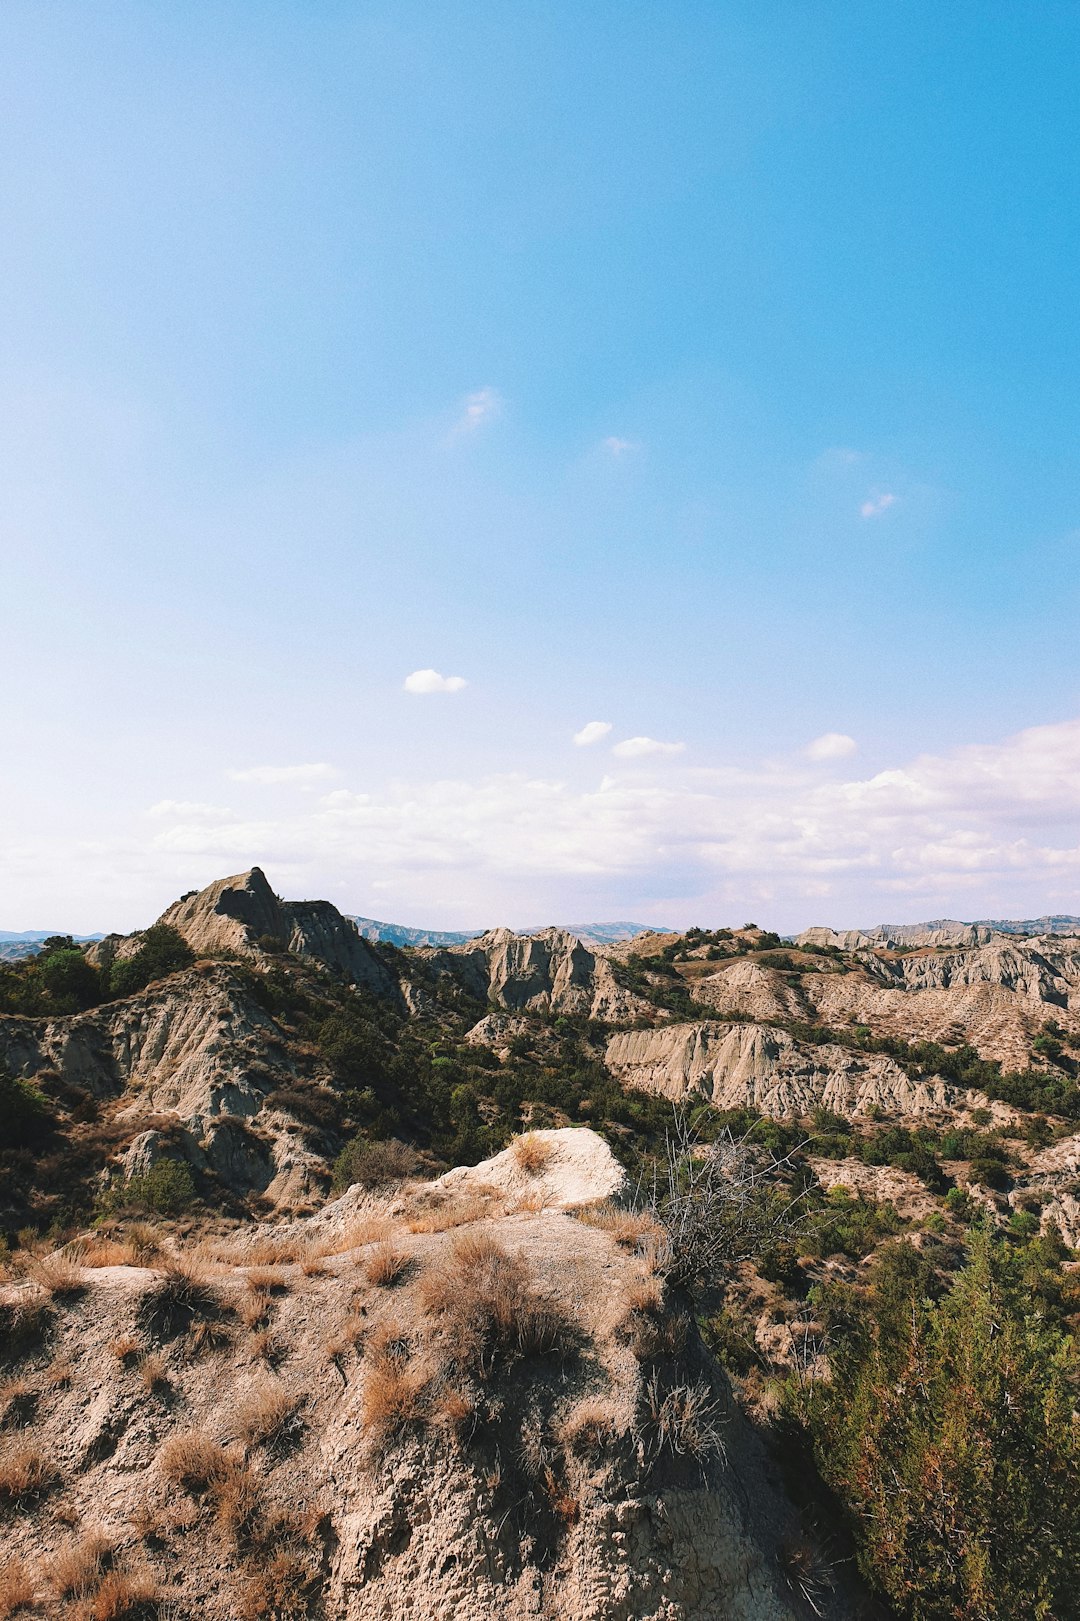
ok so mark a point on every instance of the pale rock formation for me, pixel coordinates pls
(575, 1166)
(550, 972)
(430, 1523)
(233, 914)
(762, 1067)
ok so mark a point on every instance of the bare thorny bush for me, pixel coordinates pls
(716, 1204)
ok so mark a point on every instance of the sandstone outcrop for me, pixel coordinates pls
(763, 1067)
(549, 972)
(530, 1483)
(234, 914)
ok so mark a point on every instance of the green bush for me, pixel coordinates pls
(167, 1188)
(163, 951)
(25, 1120)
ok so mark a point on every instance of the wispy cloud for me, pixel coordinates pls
(619, 447)
(877, 504)
(482, 405)
(300, 775)
(190, 810)
(830, 746)
(592, 732)
(425, 681)
(638, 748)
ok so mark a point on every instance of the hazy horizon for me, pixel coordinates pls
(485, 465)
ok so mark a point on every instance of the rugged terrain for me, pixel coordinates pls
(236, 1166)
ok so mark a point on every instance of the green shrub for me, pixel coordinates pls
(163, 951)
(25, 1120)
(167, 1188)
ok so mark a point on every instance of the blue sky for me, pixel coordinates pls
(708, 370)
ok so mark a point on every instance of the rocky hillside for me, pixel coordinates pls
(273, 1163)
(474, 1398)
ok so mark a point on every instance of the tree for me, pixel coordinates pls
(163, 951)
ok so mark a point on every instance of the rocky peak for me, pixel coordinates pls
(235, 914)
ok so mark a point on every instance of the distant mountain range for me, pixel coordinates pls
(28, 944)
(397, 934)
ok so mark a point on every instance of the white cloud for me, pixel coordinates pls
(592, 732)
(986, 829)
(619, 447)
(191, 809)
(477, 408)
(877, 504)
(431, 681)
(830, 746)
(299, 775)
(638, 748)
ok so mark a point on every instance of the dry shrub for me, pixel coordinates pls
(24, 1323)
(154, 1373)
(59, 1277)
(807, 1572)
(19, 1400)
(17, 1589)
(590, 1427)
(532, 1152)
(25, 1475)
(266, 1415)
(126, 1349)
(126, 1595)
(386, 1265)
(194, 1460)
(487, 1306)
(76, 1571)
(143, 1240)
(266, 1280)
(206, 1335)
(629, 1228)
(237, 1502)
(684, 1419)
(182, 1294)
(394, 1397)
(98, 1252)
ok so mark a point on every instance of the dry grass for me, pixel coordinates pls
(372, 1229)
(590, 1427)
(314, 1266)
(632, 1229)
(386, 1265)
(395, 1396)
(266, 1347)
(194, 1460)
(25, 1475)
(17, 1588)
(266, 1415)
(24, 1322)
(461, 1211)
(203, 1467)
(127, 1349)
(98, 1252)
(267, 1281)
(59, 1277)
(486, 1306)
(351, 1333)
(280, 1589)
(645, 1294)
(76, 1571)
(125, 1595)
(19, 1400)
(532, 1152)
(154, 1373)
(206, 1335)
(182, 1294)
(685, 1419)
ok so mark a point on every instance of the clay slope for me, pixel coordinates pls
(196, 1048)
(551, 972)
(236, 914)
(458, 1407)
(764, 1067)
(997, 997)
